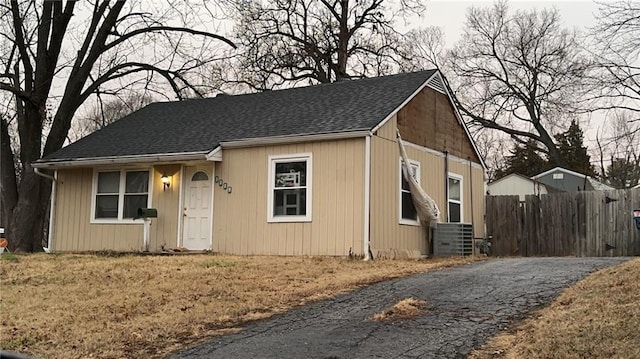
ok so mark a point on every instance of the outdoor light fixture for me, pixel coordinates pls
(166, 183)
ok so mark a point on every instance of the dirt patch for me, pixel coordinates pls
(77, 306)
(599, 317)
(405, 309)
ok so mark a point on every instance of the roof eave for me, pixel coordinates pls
(119, 160)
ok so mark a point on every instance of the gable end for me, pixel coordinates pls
(430, 120)
(437, 84)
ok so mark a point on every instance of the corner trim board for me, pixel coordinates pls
(366, 243)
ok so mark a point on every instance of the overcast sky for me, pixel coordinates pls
(450, 15)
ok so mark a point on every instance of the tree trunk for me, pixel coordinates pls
(555, 156)
(8, 185)
(343, 42)
(27, 218)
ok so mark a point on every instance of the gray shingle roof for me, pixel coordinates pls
(201, 125)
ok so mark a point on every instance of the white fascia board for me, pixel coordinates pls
(215, 155)
(262, 141)
(115, 160)
(464, 125)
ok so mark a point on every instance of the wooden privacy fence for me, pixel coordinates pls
(586, 224)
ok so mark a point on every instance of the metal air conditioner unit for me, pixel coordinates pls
(453, 239)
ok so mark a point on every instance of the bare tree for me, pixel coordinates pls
(105, 112)
(519, 73)
(284, 42)
(622, 148)
(493, 147)
(617, 52)
(424, 49)
(82, 48)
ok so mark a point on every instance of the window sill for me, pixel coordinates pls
(116, 221)
(408, 222)
(289, 219)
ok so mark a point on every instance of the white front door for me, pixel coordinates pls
(196, 228)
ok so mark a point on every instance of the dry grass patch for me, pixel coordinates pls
(599, 317)
(405, 309)
(78, 306)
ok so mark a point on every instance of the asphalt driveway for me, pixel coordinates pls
(468, 304)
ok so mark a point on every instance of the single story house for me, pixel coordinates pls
(516, 184)
(566, 180)
(304, 171)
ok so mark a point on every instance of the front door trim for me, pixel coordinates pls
(209, 169)
(179, 242)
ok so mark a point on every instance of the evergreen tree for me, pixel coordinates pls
(524, 160)
(573, 151)
(623, 173)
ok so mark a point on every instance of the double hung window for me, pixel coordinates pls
(455, 198)
(408, 213)
(290, 188)
(119, 194)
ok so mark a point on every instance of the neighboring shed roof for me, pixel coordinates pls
(201, 125)
(595, 184)
(599, 186)
(511, 175)
(549, 188)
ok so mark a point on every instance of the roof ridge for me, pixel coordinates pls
(315, 86)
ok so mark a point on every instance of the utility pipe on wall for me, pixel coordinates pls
(52, 208)
(471, 188)
(473, 234)
(446, 181)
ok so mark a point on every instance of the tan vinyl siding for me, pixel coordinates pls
(240, 218)
(164, 229)
(388, 237)
(389, 130)
(73, 230)
(476, 179)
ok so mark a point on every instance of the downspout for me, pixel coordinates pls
(37, 171)
(446, 181)
(367, 194)
(52, 208)
(472, 207)
(471, 189)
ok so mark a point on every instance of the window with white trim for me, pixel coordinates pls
(290, 188)
(118, 194)
(408, 213)
(455, 198)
